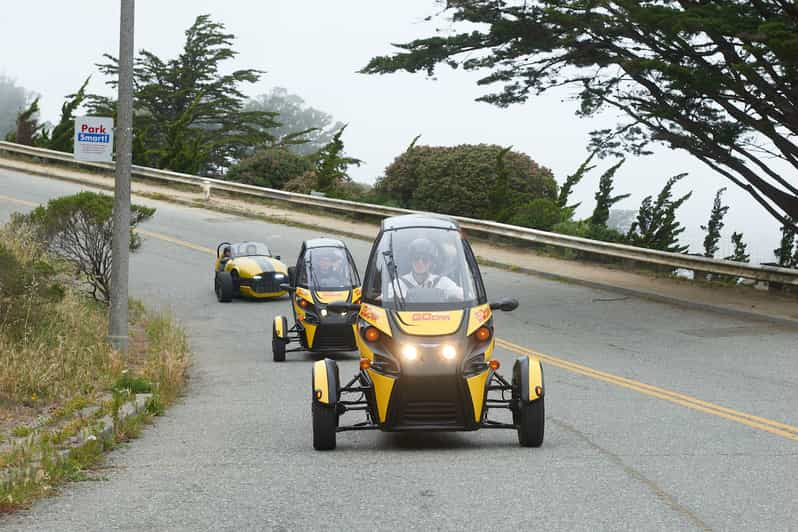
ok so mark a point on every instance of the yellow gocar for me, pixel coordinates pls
(248, 269)
(425, 333)
(325, 273)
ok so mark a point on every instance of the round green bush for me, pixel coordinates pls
(460, 180)
(541, 213)
(271, 168)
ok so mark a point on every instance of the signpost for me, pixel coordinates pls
(94, 139)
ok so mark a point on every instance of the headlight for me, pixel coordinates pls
(449, 352)
(409, 352)
(257, 277)
(278, 275)
(323, 312)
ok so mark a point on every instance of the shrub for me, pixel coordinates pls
(457, 180)
(540, 213)
(79, 229)
(272, 168)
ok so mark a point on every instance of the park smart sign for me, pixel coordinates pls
(94, 139)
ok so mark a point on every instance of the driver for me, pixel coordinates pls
(329, 268)
(226, 256)
(422, 258)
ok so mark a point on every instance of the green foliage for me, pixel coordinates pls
(28, 127)
(584, 229)
(13, 100)
(188, 116)
(499, 195)
(656, 226)
(454, 180)
(784, 253)
(300, 128)
(79, 228)
(604, 198)
(332, 165)
(132, 384)
(740, 249)
(713, 78)
(269, 167)
(714, 225)
(540, 213)
(572, 180)
(61, 137)
(27, 285)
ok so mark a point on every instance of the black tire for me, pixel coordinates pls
(278, 345)
(531, 421)
(224, 287)
(325, 421)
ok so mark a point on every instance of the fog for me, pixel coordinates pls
(314, 49)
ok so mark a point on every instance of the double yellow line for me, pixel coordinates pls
(757, 422)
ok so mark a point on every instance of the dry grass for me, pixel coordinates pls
(55, 361)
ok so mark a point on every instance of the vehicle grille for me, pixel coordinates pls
(266, 284)
(437, 413)
(334, 338)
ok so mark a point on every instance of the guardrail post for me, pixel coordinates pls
(206, 189)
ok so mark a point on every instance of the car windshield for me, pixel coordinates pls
(249, 249)
(330, 269)
(421, 268)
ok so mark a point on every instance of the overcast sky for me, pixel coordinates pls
(314, 48)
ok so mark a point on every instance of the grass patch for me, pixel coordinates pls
(59, 377)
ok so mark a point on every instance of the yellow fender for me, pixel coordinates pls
(325, 382)
(528, 377)
(280, 327)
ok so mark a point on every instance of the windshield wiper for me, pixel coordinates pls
(393, 273)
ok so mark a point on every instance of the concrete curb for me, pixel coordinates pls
(100, 430)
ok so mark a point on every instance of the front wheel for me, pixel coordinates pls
(531, 421)
(278, 340)
(325, 421)
(223, 287)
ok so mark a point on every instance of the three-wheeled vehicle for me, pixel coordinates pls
(425, 333)
(247, 269)
(324, 273)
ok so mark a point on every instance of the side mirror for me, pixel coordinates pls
(506, 304)
(343, 306)
(292, 275)
(285, 286)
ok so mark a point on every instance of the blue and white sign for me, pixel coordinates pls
(94, 138)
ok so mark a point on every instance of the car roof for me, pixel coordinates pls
(244, 242)
(419, 220)
(324, 242)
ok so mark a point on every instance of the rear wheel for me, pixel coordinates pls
(531, 421)
(224, 287)
(325, 421)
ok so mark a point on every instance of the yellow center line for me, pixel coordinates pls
(757, 422)
(19, 201)
(173, 240)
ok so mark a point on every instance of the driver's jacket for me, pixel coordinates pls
(450, 288)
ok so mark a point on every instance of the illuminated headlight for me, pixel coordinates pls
(257, 277)
(449, 352)
(409, 352)
(323, 312)
(278, 276)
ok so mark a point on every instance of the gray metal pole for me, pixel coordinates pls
(120, 249)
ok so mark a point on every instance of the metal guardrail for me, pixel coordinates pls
(775, 276)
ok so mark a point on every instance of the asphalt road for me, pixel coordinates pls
(236, 453)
